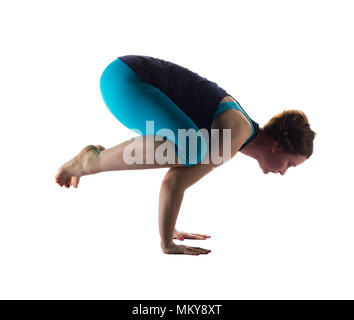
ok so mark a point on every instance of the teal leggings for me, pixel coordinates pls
(134, 102)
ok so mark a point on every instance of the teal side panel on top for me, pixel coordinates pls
(223, 106)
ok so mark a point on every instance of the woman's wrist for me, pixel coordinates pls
(165, 244)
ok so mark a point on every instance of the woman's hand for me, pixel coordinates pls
(182, 249)
(180, 235)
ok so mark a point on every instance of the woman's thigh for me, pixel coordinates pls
(146, 110)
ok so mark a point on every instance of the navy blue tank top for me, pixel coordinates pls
(195, 95)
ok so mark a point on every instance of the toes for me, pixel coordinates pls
(67, 182)
(74, 181)
(58, 179)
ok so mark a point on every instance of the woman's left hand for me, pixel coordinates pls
(180, 235)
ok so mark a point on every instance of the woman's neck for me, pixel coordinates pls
(255, 149)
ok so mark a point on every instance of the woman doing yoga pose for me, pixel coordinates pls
(161, 101)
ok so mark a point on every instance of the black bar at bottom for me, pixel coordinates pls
(177, 309)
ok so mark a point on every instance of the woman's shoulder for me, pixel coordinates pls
(227, 99)
(232, 118)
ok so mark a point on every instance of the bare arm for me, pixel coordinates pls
(176, 181)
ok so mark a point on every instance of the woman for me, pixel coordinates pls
(138, 89)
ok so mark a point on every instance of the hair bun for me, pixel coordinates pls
(292, 130)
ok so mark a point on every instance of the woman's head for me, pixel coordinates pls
(288, 141)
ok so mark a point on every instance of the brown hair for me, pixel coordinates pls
(292, 130)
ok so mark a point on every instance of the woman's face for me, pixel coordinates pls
(277, 161)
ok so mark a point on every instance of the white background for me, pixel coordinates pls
(272, 236)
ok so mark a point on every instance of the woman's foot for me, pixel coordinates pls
(82, 164)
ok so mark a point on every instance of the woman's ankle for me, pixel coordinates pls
(90, 165)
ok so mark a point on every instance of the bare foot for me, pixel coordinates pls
(70, 172)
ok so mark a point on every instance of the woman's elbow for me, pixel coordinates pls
(172, 181)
